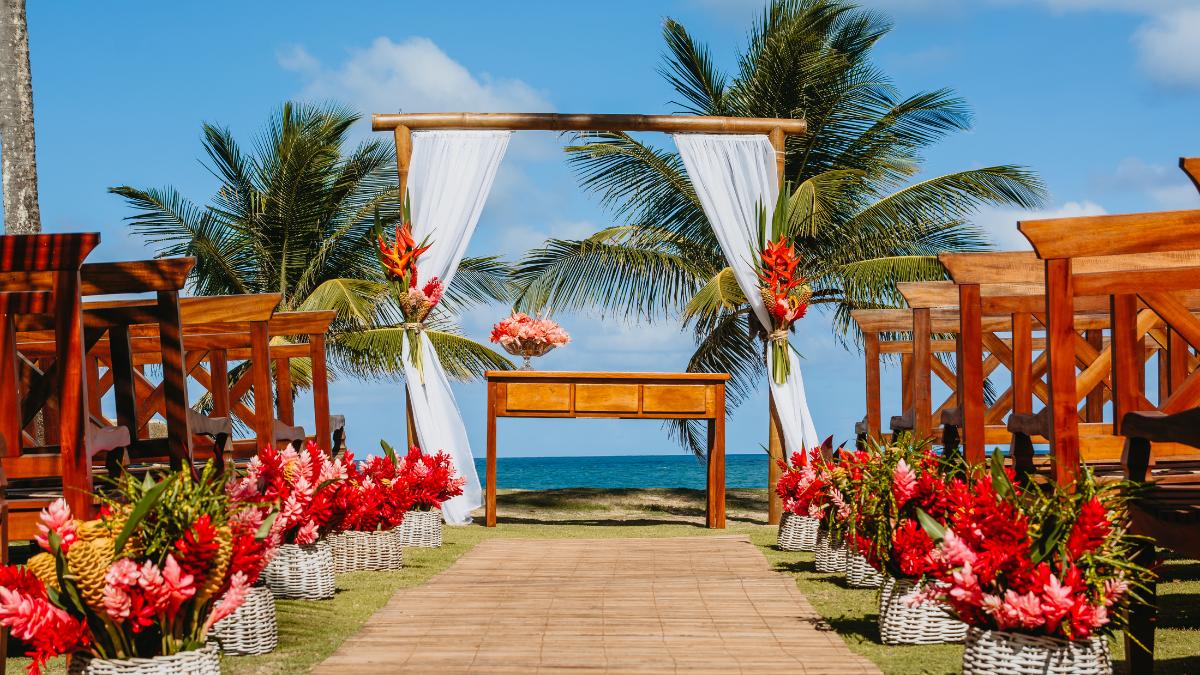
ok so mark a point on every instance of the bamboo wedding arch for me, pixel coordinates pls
(776, 129)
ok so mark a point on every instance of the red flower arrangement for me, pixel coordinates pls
(804, 484)
(527, 336)
(429, 479)
(165, 562)
(373, 496)
(302, 484)
(1038, 560)
(398, 260)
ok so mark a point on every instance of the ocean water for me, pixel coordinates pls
(624, 471)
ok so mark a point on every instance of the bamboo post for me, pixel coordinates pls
(775, 431)
(403, 136)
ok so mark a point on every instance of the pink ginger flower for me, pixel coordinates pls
(1114, 590)
(904, 483)
(1057, 600)
(814, 511)
(56, 518)
(994, 606)
(307, 534)
(843, 509)
(179, 587)
(956, 550)
(230, 601)
(964, 586)
(1025, 610)
(123, 572)
(27, 615)
(117, 603)
(154, 588)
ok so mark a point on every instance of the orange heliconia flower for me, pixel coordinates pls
(779, 264)
(400, 259)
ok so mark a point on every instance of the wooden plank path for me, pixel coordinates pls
(686, 605)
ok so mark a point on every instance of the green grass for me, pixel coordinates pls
(310, 631)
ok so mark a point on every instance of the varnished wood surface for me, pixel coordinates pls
(586, 122)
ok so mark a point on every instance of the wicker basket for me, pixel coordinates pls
(204, 661)
(797, 533)
(252, 628)
(830, 555)
(302, 571)
(859, 573)
(421, 529)
(925, 624)
(354, 551)
(1002, 653)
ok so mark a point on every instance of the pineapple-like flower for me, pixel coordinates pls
(44, 568)
(89, 562)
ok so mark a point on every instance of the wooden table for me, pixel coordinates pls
(524, 393)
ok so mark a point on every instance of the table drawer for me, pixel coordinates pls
(678, 399)
(606, 398)
(538, 397)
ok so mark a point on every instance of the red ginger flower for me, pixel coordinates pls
(1090, 530)
(197, 548)
(26, 611)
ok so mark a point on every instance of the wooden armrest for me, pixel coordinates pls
(203, 425)
(337, 422)
(1157, 427)
(952, 417)
(103, 439)
(860, 427)
(903, 422)
(1030, 424)
(286, 432)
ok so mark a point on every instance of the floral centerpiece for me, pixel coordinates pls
(785, 291)
(1036, 571)
(148, 579)
(303, 486)
(526, 336)
(399, 262)
(370, 505)
(429, 481)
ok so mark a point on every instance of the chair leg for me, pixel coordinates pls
(1022, 456)
(1143, 616)
(950, 440)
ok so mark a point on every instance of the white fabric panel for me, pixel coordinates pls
(449, 179)
(733, 176)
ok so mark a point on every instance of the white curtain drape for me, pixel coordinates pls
(449, 179)
(734, 175)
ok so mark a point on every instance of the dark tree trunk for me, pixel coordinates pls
(18, 156)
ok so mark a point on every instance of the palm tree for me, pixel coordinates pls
(298, 217)
(18, 155)
(858, 218)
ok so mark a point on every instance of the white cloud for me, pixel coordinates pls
(414, 75)
(1164, 187)
(1169, 47)
(1001, 224)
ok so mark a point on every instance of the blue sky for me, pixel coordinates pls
(1099, 96)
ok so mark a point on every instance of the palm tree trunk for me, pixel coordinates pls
(18, 157)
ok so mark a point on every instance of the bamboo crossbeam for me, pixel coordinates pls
(587, 122)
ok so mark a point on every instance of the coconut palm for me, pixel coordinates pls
(297, 216)
(859, 218)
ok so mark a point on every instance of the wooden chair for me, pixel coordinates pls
(1144, 264)
(40, 276)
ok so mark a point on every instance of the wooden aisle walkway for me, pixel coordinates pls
(686, 605)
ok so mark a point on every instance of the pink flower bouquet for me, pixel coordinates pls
(526, 336)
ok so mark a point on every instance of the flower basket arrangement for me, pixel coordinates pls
(907, 619)
(304, 485)
(429, 480)
(139, 589)
(830, 553)
(804, 500)
(527, 337)
(253, 628)
(860, 573)
(1037, 571)
(371, 503)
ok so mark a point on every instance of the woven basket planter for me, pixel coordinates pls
(252, 628)
(797, 533)
(421, 529)
(859, 573)
(302, 571)
(925, 624)
(830, 555)
(354, 551)
(205, 661)
(993, 652)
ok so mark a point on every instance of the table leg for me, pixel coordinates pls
(716, 466)
(490, 498)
